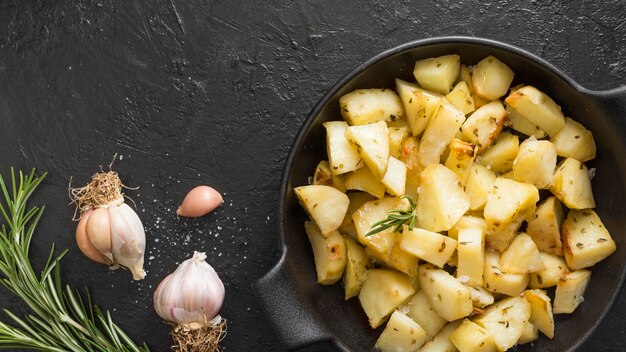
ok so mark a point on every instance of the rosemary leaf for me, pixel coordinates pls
(395, 219)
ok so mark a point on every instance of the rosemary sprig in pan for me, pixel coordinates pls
(60, 319)
(396, 219)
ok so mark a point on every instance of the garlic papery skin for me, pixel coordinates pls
(191, 296)
(99, 232)
(128, 239)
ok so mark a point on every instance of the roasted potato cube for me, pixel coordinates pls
(481, 298)
(365, 106)
(505, 321)
(439, 133)
(382, 292)
(575, 141)
(325, 205)
(401, 334)
(429, 246)
(471, 249)
(441, 200)
(538, 108)
(570, 290)
(441, 342)
(329, 254)
(395, 177)
(342, 156)
(357, 199)
(497, 281)
(471, 337)
(414, 168)
(437, 73)
(363, 180)
(535, 162)
(423, 313)
(447, 295)
(419, 105)
(461, 97)
(396, 137)
(484, 125)
(499, 158)
(479, 183)
(397, 258)
(550, 276)
(541, 311)
(530, 334)
(545, 227)
(491, 78)
(571, 184)
(370, 213)
(516, 121)
(507, 200)
(356, 268)
(586, 240)
(501, 238)
(323, 176)
(522, 256)
(465, 76)
(461, 158)
(372, 142)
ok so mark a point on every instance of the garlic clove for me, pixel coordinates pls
(99, 232)
(83, 242)
(128, 239)
(199, 202)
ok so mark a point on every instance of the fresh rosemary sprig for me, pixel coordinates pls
(396, 219)
(60, 320)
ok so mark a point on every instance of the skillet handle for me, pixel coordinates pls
(291, 318)
(612, 102)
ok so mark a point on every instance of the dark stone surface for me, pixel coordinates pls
(214, 92)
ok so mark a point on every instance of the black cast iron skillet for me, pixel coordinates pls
(305, 313)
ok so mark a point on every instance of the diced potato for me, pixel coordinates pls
(447, 295)
(570, 290)
(484, 125)
(419, 105)
(438, 73)
(323, 176)
(479, 183)
(441, 200)
(343, 156)
(414, 168)
(395, 177)
(586, 240)
(541, 311)
(325, 205)
(357, 199)
(382, 292)
(522, 256)
(397, 258)
(550, 276)
(372, 142)
(471, 337)
(461, 158)
(356, 268)
(507, 200)
(479, 101)
(423, 313)
(491, 78)
(481, 298)
(471, 249)
(465, 76)
(505, 321)
(372, 212)
(499, 158)
(538, 108)
(441, 342)
(535, 162)
(497, 281)
(571, 184)
(501, 238)
(529, 334)
(363, 180)
(365, 106)
(545, 227)
(329, 254)
(401, 334)
(396, 137)
(575, 141)
(516, 121)
(429, 246)
(461, 97)
(439, 133)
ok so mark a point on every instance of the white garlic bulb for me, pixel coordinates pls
(192, 295)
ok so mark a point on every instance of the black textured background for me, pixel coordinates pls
(202, 91)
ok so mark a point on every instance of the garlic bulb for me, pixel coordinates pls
(192, 295)
(109, 231)
(200, 201)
